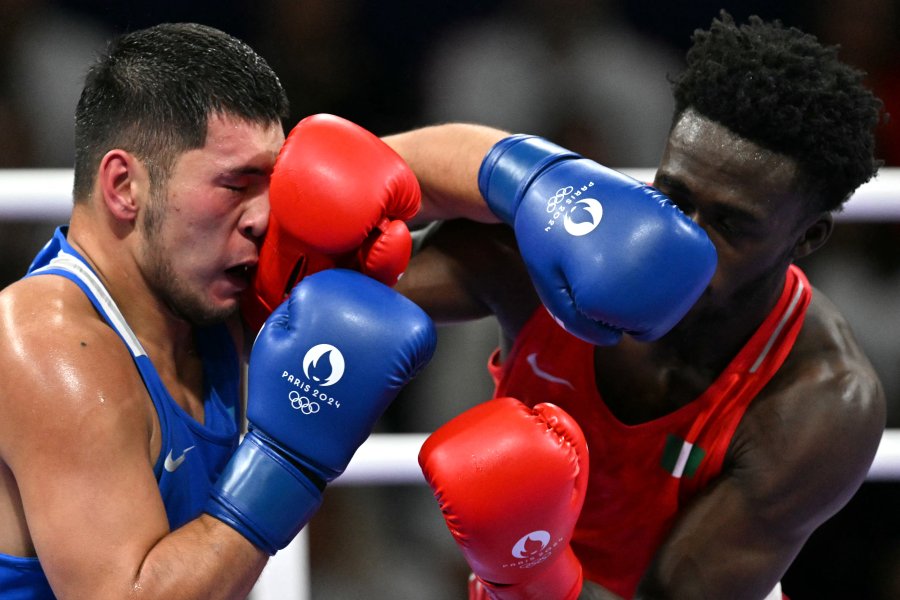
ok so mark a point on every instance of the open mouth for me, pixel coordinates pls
(240, 275)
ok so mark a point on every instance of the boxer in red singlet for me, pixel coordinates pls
(715, 450)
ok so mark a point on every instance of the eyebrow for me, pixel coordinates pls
(247, 170)
(678, 186)
(244, 171)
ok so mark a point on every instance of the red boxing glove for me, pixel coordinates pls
(339, 196)
(510, 481)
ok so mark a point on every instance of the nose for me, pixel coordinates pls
(255, 219)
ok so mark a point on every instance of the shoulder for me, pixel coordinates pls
(33, 309)
(828, 361)
(62, 365)
(812, 433)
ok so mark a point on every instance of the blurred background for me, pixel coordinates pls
(591, 75)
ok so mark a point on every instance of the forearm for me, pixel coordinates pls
(203, 559)
(445, 160)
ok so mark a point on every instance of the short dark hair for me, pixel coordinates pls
(153, 90)
(782, 89)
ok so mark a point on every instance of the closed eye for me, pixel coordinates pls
(244, 180)
(677, 192)
(726, 225)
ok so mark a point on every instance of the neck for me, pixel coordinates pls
(710, 337)
(113, 256)
(641, 381)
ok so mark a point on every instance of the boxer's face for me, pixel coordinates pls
(743, 196)
(203, 232)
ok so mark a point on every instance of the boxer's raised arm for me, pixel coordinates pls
(446, 159)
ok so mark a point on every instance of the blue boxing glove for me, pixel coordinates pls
(607, 254)
(323, 369)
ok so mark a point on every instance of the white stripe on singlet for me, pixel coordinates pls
(781, 323)
(67, 262)
(775, 594)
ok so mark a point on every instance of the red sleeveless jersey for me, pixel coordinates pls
(642, 475)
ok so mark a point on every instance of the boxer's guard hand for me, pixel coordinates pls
(323, 369)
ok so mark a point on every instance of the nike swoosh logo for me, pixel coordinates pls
(532, 362)
(171, 464)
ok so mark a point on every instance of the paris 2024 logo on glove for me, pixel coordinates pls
(533, 549)
(323, 366)
(580, 216)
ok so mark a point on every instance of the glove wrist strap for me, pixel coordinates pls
(263, 496)
(509, 168)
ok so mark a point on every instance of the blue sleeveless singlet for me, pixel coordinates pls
(193, 454)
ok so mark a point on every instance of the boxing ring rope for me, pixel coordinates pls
(391, 459)
(46, 195)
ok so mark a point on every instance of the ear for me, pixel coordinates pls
(814, 236)
(121, 179)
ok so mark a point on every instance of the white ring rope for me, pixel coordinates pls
(46, 194)
(393, 459)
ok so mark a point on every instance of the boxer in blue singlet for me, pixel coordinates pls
(193, 454)
(123, 342)
(123, 472)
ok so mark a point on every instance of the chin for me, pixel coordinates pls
(702, 308)
(209, 313)
(223, 310)
(705, 314)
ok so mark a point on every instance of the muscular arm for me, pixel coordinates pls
(468, 267)
(77, 435)
(799, 455)
(467, 270)
(445, 160)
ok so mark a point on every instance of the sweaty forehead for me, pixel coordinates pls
(235, 144)
(229, 133)
(702, 154)
(698, 147)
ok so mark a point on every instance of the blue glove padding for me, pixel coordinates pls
(264, 495)
(607, 254)
(324, 367)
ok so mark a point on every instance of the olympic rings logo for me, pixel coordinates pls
(554, 201)
(302, 403)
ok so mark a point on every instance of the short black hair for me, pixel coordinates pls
(780, 88)
(153, 90)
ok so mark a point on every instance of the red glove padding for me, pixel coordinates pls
(339, 196)
(510, 481)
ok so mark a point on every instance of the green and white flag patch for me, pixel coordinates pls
(681, 458)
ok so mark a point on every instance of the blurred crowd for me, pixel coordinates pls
(590, 74)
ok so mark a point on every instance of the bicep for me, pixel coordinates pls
(721, 547)
(794, 464)
(78, 444)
